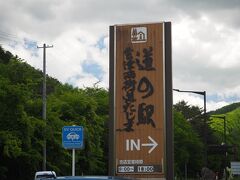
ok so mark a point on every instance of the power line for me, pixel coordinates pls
(9, 34)
(9, 37)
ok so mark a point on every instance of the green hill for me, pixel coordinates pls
(232, 122)
(226, 109)
(22, 128)
(232, 115)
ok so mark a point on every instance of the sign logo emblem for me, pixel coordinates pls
(139, 34)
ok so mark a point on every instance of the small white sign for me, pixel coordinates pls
(235, 166)
(125, 169)
(139, 34)
(145, 169)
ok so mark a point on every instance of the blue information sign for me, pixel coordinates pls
(72, 137)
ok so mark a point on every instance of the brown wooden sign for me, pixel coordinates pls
(139, 133)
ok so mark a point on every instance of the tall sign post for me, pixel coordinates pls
(72, 138)
(141, 136)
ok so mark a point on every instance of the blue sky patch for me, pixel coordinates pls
(100, 44)
(217, 98)
(93, 69)
(31, 46)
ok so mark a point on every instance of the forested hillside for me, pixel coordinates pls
(22, 127)
(217, 147)
(232, 129)
(227, 108)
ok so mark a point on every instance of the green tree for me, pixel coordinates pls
(5, 56)
(188, 149)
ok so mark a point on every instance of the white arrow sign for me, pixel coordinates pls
(153, 143)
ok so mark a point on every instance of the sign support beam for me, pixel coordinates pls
(73, 162)
(169, 102)
(111, 163)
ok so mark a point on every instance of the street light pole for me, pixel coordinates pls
(205, 129)
(203, 93)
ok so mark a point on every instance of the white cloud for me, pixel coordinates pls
(198, 100)
(72, 49)
(205, 38)
(205, 56)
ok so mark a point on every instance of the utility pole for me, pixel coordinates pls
(44, 106)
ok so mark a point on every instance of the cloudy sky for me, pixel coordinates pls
(205, 40)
